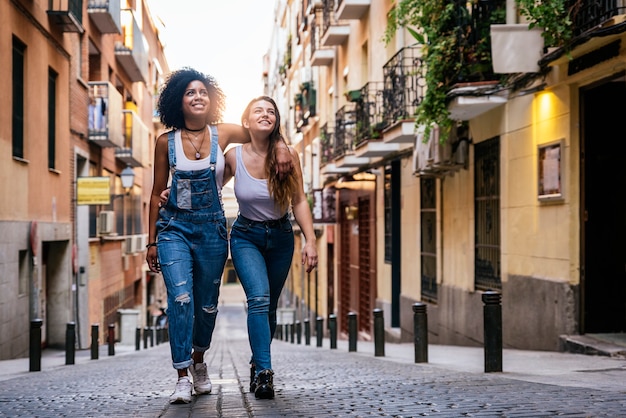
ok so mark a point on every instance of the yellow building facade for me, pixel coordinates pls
(518, 200)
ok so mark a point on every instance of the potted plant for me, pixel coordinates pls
(516, 48)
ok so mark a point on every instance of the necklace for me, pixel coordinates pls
(252, 150)
(198, 155)
(195, 130)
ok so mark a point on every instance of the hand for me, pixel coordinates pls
(284, 161)
(309, 257)
(153, 260)
(165, 194)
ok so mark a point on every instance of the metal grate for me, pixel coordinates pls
(487, 274)
(365, 266)
(428, 232)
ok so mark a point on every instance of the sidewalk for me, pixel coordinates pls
(563, 369)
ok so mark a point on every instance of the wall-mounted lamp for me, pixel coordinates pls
(128, 180)
(352, 212)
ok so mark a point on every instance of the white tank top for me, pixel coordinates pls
(185, 164)
(253, 197)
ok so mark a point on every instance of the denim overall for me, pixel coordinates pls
(192, 249)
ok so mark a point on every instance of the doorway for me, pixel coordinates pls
(603, 207)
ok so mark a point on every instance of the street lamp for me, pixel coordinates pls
(128, 178)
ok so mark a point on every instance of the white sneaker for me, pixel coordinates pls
(201, 381)
(182, 392)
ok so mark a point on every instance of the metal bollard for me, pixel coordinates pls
(420, 332)
(137, 339)
(379, 333)
(292, 332)
(319, 330)
(151, 337)
(146, 332)
(492, 311)
(332, 325)
(307, 331)
(111, 339)
(70, 343)
(352, 337)
(94, 341)
(35, 345)
(298, 332)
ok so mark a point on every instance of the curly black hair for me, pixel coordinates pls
(169, 105)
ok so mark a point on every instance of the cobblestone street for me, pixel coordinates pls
(310, 382)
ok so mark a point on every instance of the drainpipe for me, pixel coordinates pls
(511, 12)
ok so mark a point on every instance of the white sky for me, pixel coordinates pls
(224, 38)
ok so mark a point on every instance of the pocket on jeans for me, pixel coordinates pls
(163, 224)
(241, 226)
(222, 230)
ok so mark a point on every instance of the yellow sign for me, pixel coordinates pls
(93, 191)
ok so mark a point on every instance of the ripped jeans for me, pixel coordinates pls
(192, 252)
(262, 255)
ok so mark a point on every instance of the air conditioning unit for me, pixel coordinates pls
(140, 242)
(129, 245)
(106, 222)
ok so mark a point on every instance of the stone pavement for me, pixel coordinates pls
(318, 382)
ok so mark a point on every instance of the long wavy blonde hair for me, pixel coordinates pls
(281, 189)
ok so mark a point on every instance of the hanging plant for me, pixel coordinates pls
(451, 52)
(555, 17)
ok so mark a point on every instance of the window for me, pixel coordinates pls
(19, 51)
(388, 214)
(428, 233)
(487, 275)
(24, 273)
(52, 111)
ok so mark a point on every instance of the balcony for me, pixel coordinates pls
(304, 105)
(67, 14)
(473, 99)
(352, 9)
(334, 33)
(131, 53)
(134, 151)
(105, 115)
(345, 138)
(368, 141)
(404, 78)
(320, 56)
(596, 26)
(106, 15)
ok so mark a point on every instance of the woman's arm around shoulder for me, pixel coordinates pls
(302, 213)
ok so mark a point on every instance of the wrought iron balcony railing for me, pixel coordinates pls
(588, 14)
(345, 130)
(404, 85)
(369, 113)
(327, 143)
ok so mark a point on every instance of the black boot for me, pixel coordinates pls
(265, 385)
(252, 378)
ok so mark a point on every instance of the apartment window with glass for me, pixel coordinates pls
(428, 233)
(52, 116)
(18, 55)
(487, 274)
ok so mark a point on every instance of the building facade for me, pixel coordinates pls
(504, 196)
(82, 80)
